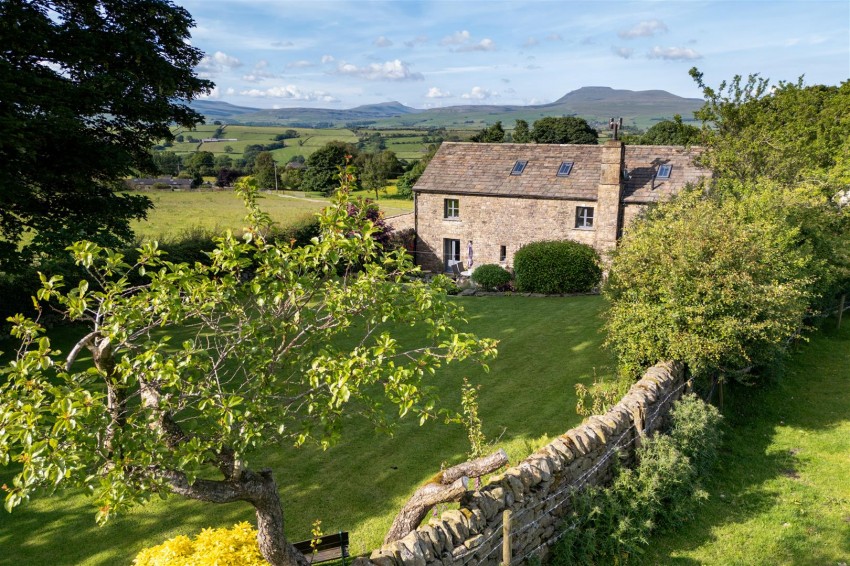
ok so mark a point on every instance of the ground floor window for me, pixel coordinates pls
(451, 253)
(503, 253)
(584, 217)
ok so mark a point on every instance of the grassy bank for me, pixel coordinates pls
(547, 346)
(781, 494)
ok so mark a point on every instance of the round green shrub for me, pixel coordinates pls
(556, 267)
(491, 277)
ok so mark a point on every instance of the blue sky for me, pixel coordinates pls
(280, 53)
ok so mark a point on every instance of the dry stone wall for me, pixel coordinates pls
(537, 491)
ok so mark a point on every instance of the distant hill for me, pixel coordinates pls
(595, 103)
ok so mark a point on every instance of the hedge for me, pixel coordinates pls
(559, 266)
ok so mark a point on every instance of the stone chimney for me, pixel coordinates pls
(609, 197)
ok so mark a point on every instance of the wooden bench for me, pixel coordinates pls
(331, 547)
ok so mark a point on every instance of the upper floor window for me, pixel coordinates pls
(519, 167)
(565, 168)
(451, 208)
(664, 172)
(584, 217)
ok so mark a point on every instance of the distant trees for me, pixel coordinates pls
(491, 134)
(521, 132)
(406, 181)
(669, 132)
(288, 134)
(377, 168)
(202, 163)
(265, 172)
(88, 89)
(323, 165)
(166, 163)
(566, 129)
(226, 177)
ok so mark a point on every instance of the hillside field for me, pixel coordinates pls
(179, 211)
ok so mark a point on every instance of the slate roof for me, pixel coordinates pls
(642, 163)
(485, 169)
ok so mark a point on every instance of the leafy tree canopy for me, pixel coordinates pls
(784, 132)
(491, 134)
(522, 134)
(202, 364)
(88, 88)
(265, 172)
(670, 132)
(567, 129)
(323, 166)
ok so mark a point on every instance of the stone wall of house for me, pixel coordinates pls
(491, 222)
(537, 491)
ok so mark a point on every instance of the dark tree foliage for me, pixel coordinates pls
(322, 174)
(567, 129)
(491, 134)
(226, 177)
(522, 134)
(406, 181)
(166, 163)
(88, 87)
(265, 171)
(670, 132)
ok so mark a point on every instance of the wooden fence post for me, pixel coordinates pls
(506, 537)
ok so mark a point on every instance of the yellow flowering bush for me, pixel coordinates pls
(236, 546)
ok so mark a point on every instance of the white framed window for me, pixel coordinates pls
(584, 217)
(451, 208)
(664, 172)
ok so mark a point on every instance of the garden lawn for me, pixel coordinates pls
(547, 346)
(781, 494)
(180, 211)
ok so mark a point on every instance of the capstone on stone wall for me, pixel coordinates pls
(491, 222)
(537, 491)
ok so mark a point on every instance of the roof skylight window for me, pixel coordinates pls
(519, 167)
(664, 172)
(565, 168)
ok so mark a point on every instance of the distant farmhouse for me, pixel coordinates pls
(503, 196)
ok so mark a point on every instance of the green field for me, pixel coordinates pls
(179, 211)
(781, 495)
(547, 346)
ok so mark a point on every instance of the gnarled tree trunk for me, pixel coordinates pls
(448, 485)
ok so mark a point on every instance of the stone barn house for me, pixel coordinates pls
(503, 196)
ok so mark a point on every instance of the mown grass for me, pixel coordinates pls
(781, 494)
(547, 346)
(176, 212)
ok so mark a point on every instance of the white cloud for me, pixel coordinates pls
(302, 64)
(485, 44)
(282, 44)
(389, 71)
(478, 93)
(290, 92)
(328, 59)
(457, 38)
(647, 28)
(554, 37)
(419, 39)
(230, 91)
(217, 63)
(435, 92)
(261, 64)
(214, 93)
(530, 42)
(382, 42)
(624, 52)
(674, 53)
